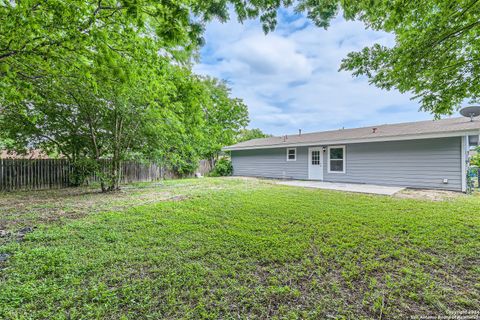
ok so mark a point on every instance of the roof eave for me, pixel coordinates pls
(360, 140)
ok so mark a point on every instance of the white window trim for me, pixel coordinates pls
(344, 159)
(288, 150)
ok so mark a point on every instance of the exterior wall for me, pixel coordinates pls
(422, 163)
(414, 163)
(270, 163)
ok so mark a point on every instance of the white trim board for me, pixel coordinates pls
(344, 159)
(288, 150)
(464, 150)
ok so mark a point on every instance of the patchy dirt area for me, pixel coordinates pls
(21, 212)
(18, 208)
(428, 194)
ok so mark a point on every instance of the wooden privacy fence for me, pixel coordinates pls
(131, 171)
(34, 174)
(28, 174)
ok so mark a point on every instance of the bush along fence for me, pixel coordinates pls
(38, 174)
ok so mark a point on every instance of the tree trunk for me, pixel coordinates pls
(115, 174)
(102, 172)
(115, 182)
(213, 160)
(103, 186)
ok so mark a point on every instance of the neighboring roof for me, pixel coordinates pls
(31, 154)
(387, 132)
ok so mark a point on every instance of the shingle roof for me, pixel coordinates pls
(31, 154)
(385, 132)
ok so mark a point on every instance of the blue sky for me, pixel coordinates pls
(289, 78)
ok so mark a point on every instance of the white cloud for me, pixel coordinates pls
(290, 79)
(270, 56)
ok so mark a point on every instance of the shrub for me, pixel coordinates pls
(82, 169)
(475, 160)
(223, 167)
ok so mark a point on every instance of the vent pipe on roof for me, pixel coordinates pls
(299, 132)
(374, 130)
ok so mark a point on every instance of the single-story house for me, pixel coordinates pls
(425, 154)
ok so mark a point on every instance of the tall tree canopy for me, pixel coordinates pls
(225, 117)
(110, 79)
(249, 134)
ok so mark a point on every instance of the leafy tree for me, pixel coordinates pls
(161, 113)
(219, 120)
(102, 117)
(224, 117)
(183, 137)
(249, 134)
(35, 37)
(4, 143)
(104, 80)
(436, 55)
(113, 111)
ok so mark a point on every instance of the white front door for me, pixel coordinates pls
(315, 163)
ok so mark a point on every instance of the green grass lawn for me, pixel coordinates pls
(232, 248)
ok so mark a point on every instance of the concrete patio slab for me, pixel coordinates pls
(349, 187)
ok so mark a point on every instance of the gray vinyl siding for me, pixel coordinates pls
(420, 163)
(413, 163)
(270, 163)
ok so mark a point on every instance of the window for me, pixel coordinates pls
(473, 141)
(291, 154)
(316, 157)
(336, 159)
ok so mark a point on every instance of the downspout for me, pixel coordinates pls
(464, 159)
